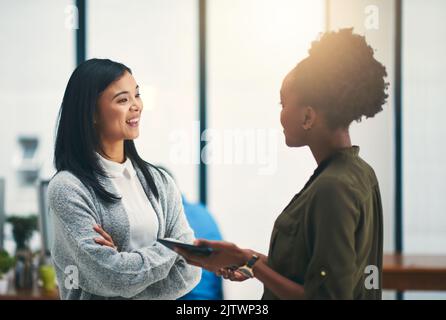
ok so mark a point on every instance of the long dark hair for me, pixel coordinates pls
(77, 139)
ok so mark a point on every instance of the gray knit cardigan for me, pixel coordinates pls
(87, 270)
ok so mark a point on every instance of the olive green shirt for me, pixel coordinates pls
(332, 231)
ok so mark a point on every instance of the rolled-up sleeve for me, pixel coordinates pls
(330, 234)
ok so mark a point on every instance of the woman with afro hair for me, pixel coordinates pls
(328, 242)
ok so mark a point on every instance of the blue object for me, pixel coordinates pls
(201, 221)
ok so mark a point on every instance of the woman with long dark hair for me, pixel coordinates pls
(109, 206)
(327, 243)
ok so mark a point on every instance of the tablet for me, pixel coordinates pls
(197, 250)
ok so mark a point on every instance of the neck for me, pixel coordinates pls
(329, 143)
(113, 151)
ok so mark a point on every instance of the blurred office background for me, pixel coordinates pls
(218, 65)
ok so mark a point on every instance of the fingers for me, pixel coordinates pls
(104, 242)
(194, 264)
(189, 257)
(202, 242)
(212, 244)
(104, 234)
(194, 260)
(223, 273)
(238, 276)
(230, 274)
(182, 252)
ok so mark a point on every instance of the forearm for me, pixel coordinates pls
(105, 272)
(181, 279)
(281, 286)
(227, 255)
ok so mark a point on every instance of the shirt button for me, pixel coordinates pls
(323, 273)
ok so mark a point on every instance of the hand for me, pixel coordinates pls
(233, 275)
(106, 240)
(224, 255)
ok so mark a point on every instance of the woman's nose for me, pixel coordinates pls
(135, 106)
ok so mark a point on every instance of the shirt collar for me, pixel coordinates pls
(349, 151)
(115, 169)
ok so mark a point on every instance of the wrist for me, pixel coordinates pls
(247, 268)
(245, 255)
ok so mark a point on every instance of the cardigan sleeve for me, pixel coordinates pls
(102, 270)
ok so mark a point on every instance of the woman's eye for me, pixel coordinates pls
(122, 100)
(138, 95)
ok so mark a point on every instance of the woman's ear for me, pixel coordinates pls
(309, 118)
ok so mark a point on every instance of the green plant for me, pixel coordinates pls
(22, 229)
(6, 262)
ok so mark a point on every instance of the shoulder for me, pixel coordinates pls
(158, 174)
(63, 180)
(161, 177)
(333, 199)
(333, 193)
(328, 184)
(352, 175)
(65, 185)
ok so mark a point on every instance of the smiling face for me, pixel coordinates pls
(119, 110)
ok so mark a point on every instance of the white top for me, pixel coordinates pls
(142, 217)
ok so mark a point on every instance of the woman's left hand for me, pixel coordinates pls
(106, 240)
(224, 255)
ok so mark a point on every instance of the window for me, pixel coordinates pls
(158, 40)
(424, 87)
(252, 45)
